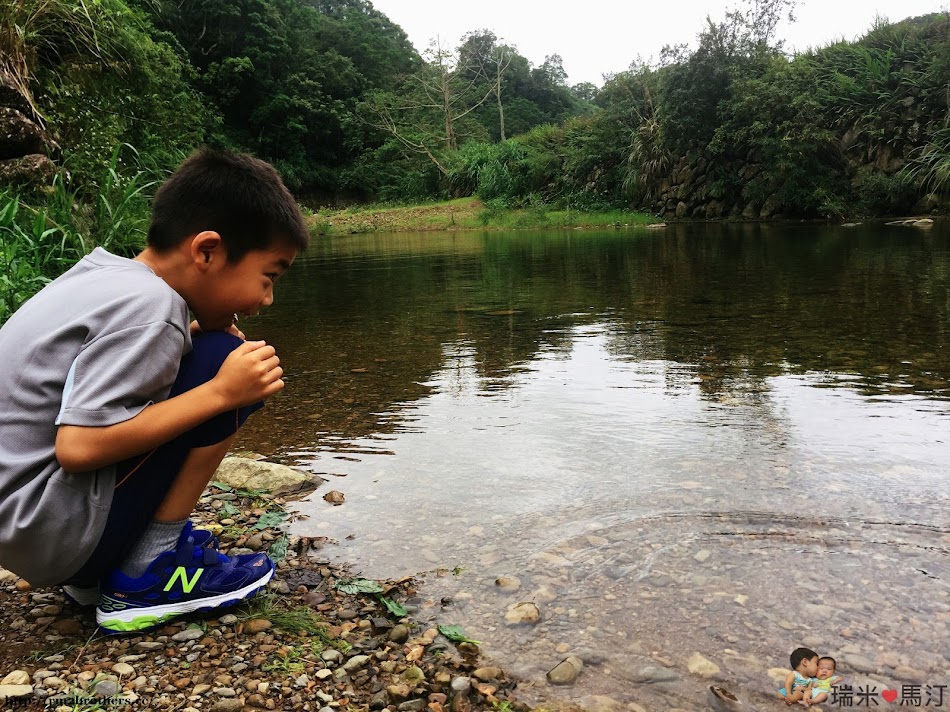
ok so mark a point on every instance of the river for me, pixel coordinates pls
(695, 448)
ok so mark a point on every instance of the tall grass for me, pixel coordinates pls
(32, 252)
(930, 165)
(44, 234)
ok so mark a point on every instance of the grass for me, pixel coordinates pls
(43, 233)
(463, 214)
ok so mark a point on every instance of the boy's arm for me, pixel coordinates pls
(249, 374)
(789, 681)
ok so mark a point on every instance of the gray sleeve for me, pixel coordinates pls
(118, 374)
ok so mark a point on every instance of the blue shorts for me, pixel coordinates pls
(142, 482)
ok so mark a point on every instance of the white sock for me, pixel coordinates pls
(158, 538)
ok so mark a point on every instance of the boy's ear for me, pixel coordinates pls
(206, 248)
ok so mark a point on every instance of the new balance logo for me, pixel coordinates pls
(182, 573)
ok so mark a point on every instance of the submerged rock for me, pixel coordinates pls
(566, 671)
(523, 613)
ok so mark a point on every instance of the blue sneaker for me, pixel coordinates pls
(88, 596)
(192, 577)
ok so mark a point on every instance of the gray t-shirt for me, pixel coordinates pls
(94, 347)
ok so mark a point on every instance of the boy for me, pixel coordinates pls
(114, 415)
(797, 682)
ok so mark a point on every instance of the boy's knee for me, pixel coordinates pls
(208, 352)
(215, 342)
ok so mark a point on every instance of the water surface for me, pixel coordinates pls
(723, 441)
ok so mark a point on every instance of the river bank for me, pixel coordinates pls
(463, 214)
(308, 643)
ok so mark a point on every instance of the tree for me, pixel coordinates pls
(424, 114)
(482, 54)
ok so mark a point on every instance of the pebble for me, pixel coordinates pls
(229, 619)
(200, 689)
(486, 674)
(525, 612)
(188, 634)
(461, 684)
(122, 669)
(566, 671)
(8, 691)
(148, 646)
(652, 673)
(103, 688)
(130, 658)
(332, 656)
(224, 692)
(399, 634)
(17, 677)
(508, 584)
(698, 665)
(355, 663)
(257, 625)
(229, 705)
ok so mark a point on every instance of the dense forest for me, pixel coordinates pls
(98, 101)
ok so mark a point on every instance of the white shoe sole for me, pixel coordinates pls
(82, 596)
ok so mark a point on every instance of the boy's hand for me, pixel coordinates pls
(250, 373)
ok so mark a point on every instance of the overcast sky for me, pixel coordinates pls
(595, 37)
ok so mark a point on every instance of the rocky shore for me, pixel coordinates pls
(304, 644)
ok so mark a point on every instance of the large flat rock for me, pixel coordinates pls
(244, 473)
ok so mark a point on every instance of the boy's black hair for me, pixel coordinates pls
(240, 197)
(828, 657)
(800, 654)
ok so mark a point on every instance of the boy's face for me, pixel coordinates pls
(241, 288)
(809, 667)
(826, 669)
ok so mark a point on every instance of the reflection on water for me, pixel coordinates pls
(714, 441)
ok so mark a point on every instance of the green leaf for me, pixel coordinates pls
(358, 585)
(270, 519)
(397, 609)
(222, 486)
(278, 550)
(456, 634)
(230, 509)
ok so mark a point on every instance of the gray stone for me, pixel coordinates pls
(461, 684)
(332, 656)
(148, 646)
(188, 634)
(104, 688)
(355, 663)
(412, 706)
(229, 619)
(243, 473)
(652, 673)
(224, 692)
